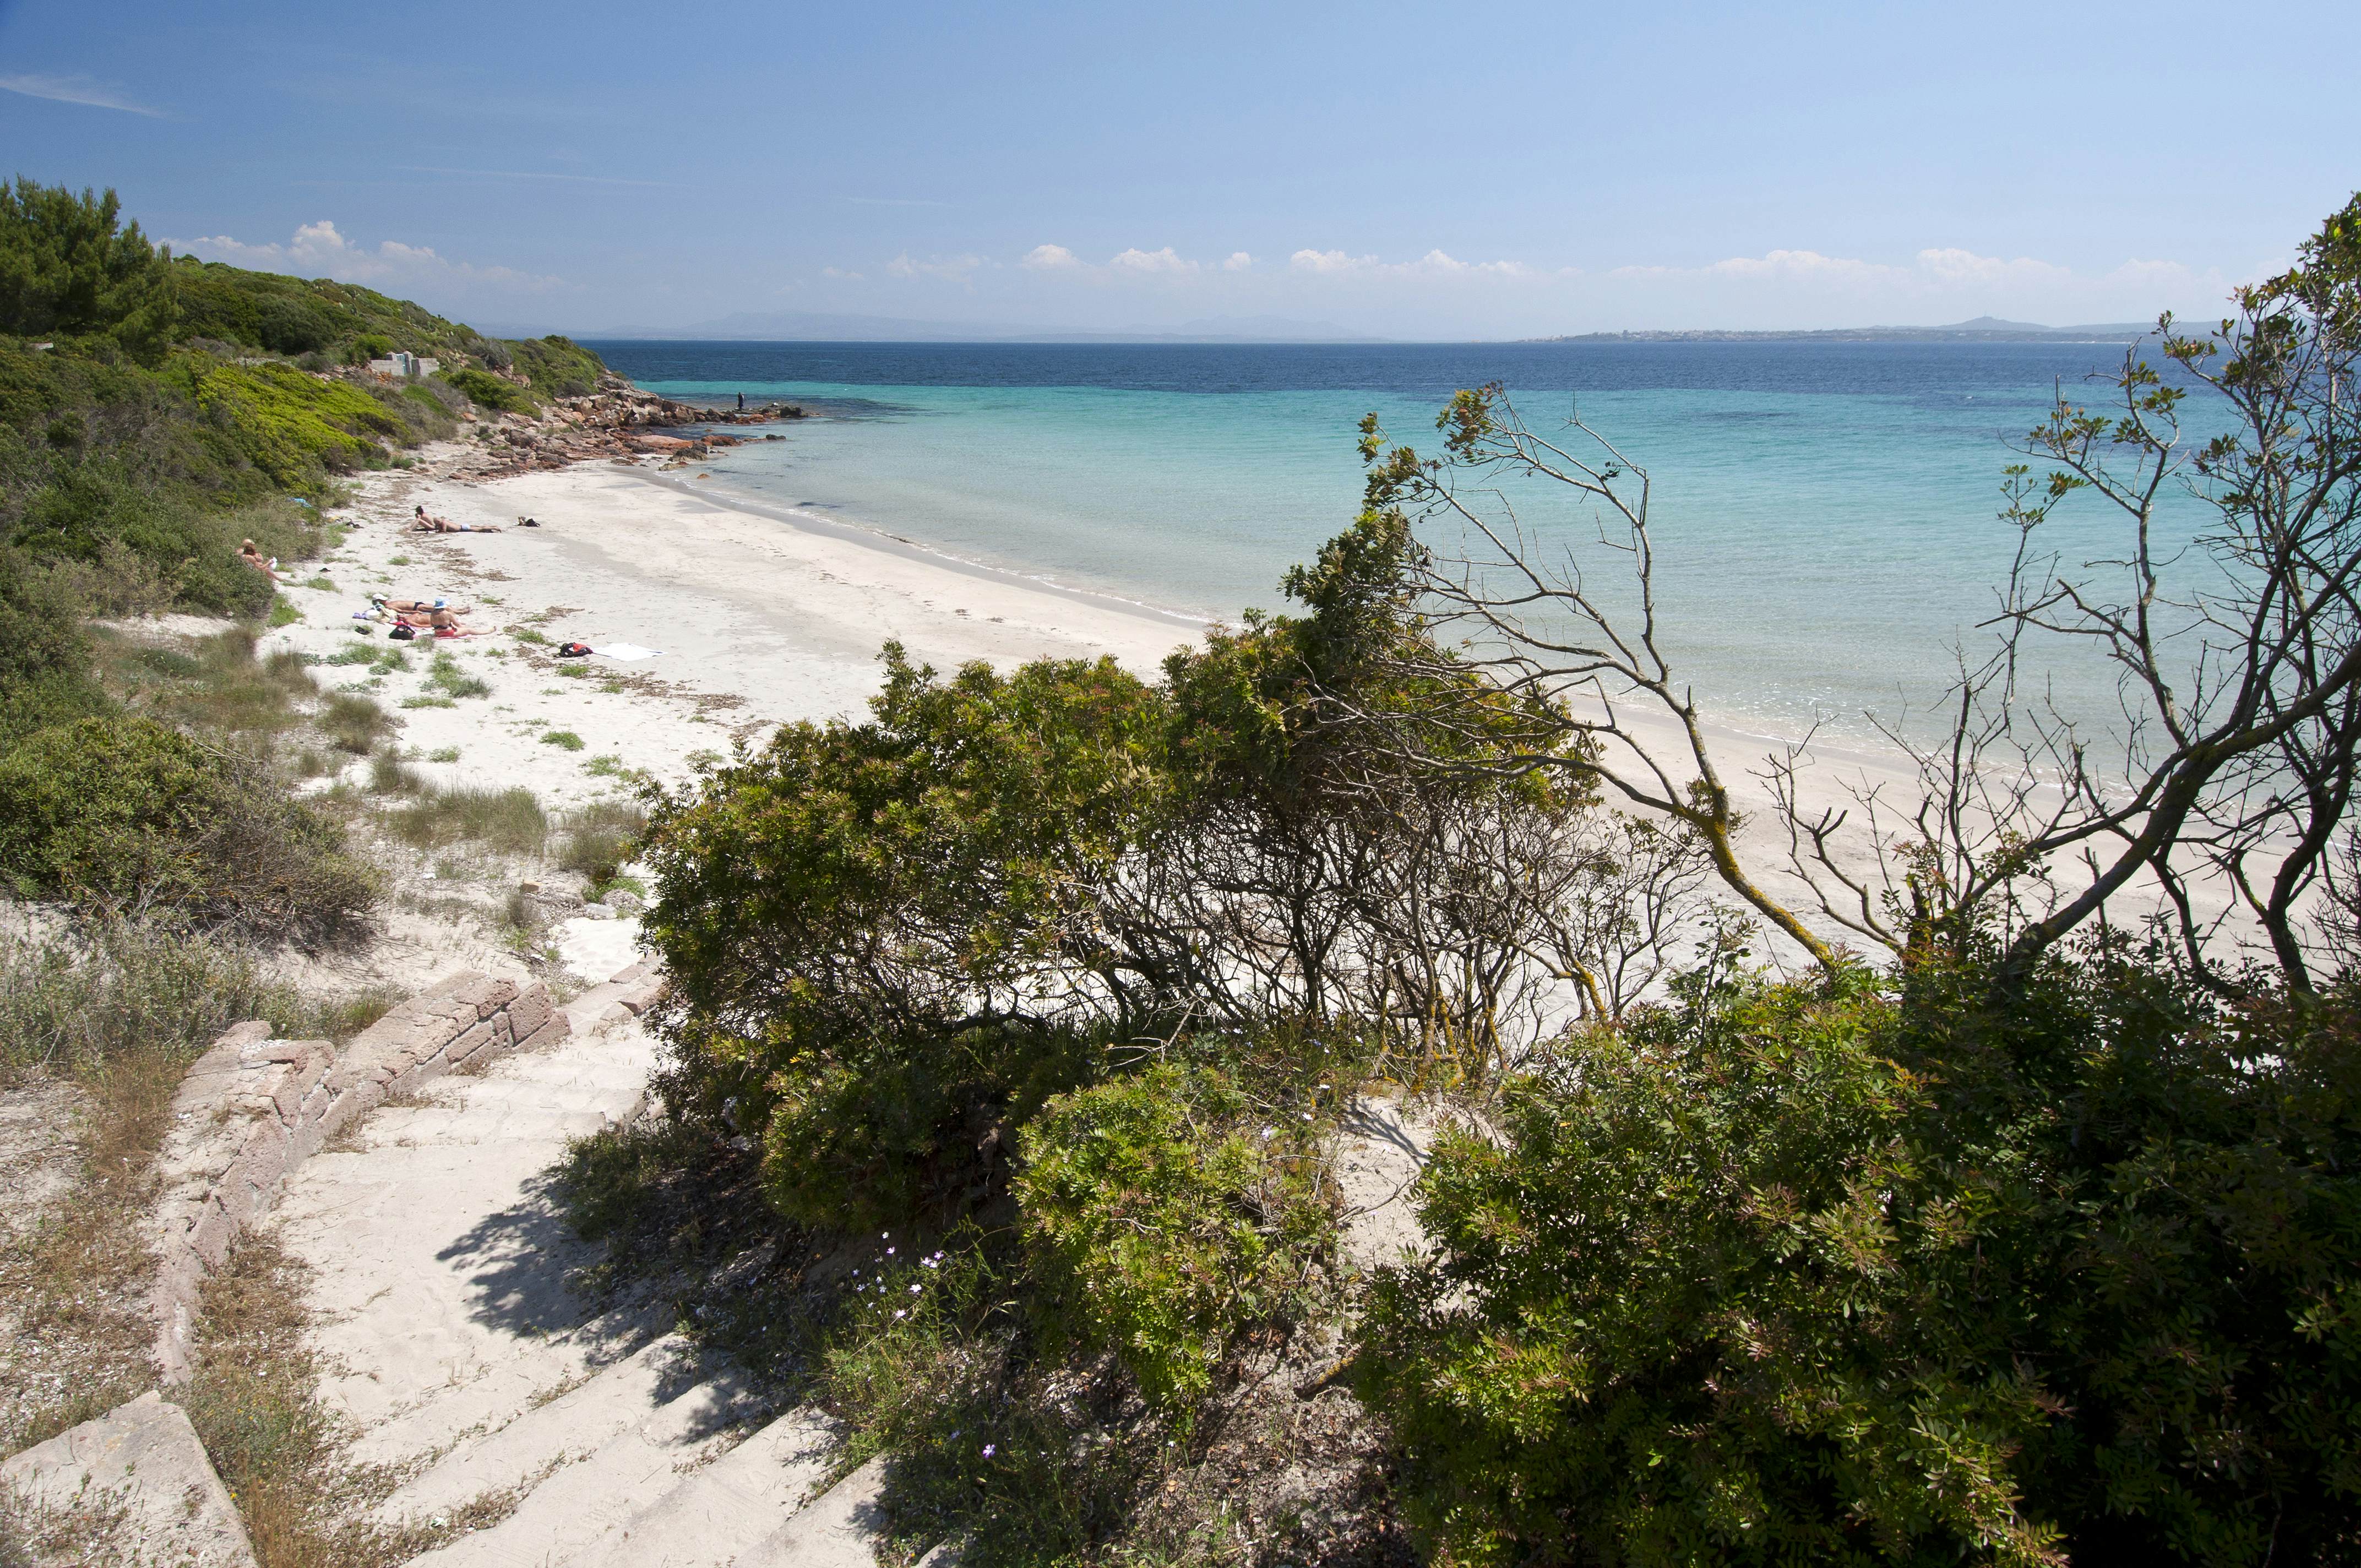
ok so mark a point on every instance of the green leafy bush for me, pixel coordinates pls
(1168, 1210)
(126, 814)
(1841, 1278)
(897, 1124)
(487, 390)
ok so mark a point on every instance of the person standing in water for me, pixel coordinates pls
(741, 402)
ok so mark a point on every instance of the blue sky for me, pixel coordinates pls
(1411, 171)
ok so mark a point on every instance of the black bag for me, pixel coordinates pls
(403, 633)
(573, 650)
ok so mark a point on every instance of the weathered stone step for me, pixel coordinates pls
(577, 1505)
(841, 1528)
(571, 1427)
(439, 1260)
(715, 1514)
(140, 1468)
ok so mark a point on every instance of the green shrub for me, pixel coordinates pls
(564, 739)
(125, 814)
(899, 1126)
(1851, 1279)
(1169, 1211)
(45, 656)
(488, 390)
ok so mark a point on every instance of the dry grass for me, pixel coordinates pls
(218, 685)
(74, 1280)
(280, 1453)
(109, 1028)
(506, 821)
(34, 1534)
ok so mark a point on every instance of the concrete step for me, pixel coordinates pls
(438, 1259)
(580, 1504)
(715, 1514)
(840, 1529)
(542, 1439)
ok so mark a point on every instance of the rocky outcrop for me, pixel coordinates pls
(254, 1108)
(618, 421)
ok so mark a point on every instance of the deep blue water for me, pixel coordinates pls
(1825, 513)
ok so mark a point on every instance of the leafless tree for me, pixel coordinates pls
(2220, 784)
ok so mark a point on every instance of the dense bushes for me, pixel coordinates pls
(1169, 1209)
(124, 813)
(1802, 1274)
(489, 390)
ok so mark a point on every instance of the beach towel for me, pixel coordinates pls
(630, 652)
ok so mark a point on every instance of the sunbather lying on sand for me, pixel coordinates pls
(417, 607)
(422, 523)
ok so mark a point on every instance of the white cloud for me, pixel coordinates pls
(1434, 264)
(75, 90)
(841, 274)
(1238, 262)
(951, 268)
(1166, 261)
(1049, 259)
(318, 250)
(1955, 266)
(1329, 261)
(1803, 265)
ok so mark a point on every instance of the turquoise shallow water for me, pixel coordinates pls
(1824, 515)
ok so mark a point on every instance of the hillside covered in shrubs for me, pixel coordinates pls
(155, 411)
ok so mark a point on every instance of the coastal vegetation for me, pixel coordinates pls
(165, 873)
(1978, 1188)
(1988, 1195)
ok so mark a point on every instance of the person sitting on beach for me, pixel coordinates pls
(252, 556)
(447, 624)
(422, 523)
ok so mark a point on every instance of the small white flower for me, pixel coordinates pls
(1267, 1131)
(914, 1289)
(899, 1314)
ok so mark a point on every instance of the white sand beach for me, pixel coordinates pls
(760, 618)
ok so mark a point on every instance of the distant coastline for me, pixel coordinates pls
(1982, 329)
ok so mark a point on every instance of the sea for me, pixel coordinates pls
(1825, 515)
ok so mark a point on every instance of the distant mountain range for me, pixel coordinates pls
(808, 327)
(1982, 329)
(804, 326)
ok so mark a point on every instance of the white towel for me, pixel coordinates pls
(630, 652)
